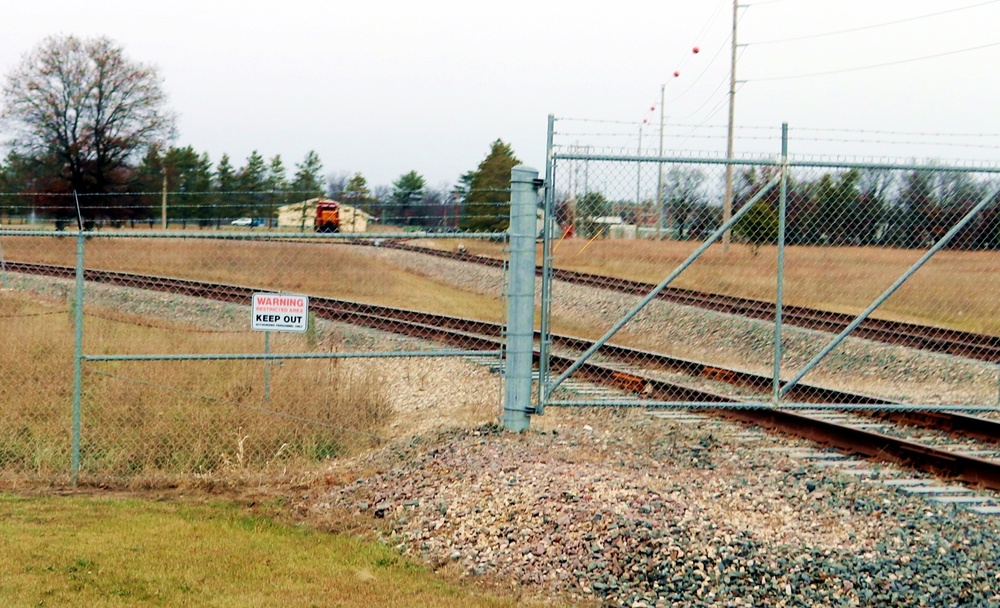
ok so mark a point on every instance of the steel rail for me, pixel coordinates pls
(982, 347)
(373, 315)
(969, 469)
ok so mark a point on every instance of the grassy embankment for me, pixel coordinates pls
(79, 551)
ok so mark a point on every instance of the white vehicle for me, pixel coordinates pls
(247, 221)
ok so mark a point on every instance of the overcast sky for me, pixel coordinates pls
(387, 87)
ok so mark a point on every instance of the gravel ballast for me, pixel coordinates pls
(622, 510)
(613, 507)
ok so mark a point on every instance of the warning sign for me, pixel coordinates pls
(279, 312)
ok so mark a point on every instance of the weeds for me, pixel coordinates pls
(152, 418)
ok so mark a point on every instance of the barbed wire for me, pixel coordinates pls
(882, 132)
(863, 134)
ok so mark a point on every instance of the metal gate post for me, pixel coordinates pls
(77, 358)
(779, 294)
(3, 266)
(548, 233)
(520, 298)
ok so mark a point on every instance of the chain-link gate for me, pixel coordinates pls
(129, 351)
(762, 282)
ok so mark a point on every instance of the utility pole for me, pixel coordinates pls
(727, 203)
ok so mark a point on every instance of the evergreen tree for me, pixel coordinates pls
(16, 175)
(252, 179)
(308, 183)
(758, 227)
(225, 186)
(357, 194)
(276, 183)
(407, 193)
(188, 175)
(916, 203)
(837, 201)
(487, 205)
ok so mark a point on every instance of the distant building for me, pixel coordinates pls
(302, 215)
(601, 226)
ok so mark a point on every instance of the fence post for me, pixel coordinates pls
(77, 357)
(3, 266)
(548, 224)
(779, 294)
(520, 298)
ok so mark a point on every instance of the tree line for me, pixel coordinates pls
(859, 207)
(874, 207)
(86, 125)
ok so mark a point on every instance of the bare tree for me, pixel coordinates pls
(85, 110)
(683, 197)
(336, 184)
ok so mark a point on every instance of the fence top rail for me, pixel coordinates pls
(776, 161)
(259, 236)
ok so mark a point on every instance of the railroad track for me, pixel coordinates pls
(981, 347)
(474, 334)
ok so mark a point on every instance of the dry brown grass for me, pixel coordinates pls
(332, 270)
(151, 419)
(956, 289)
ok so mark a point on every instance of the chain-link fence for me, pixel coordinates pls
(133, 349)
(770, 281)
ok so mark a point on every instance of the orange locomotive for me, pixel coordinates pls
(327, 216)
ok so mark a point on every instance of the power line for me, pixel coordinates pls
(873, 26)
(711, 62)
(687, 55)
(877, 65)
(697, 41)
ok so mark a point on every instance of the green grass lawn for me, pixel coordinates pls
(84, 551)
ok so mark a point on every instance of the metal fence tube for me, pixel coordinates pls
(3, 267)
(766, 405)
(410, 354)
(520, 299)
(548, 223)
(944, 240)
(267, 367)
(665, 282)
(762, 162)
(274, 235)
(780, 288)
(77, 357)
